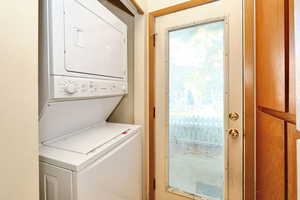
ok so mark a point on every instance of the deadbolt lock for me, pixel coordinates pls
(234, 116)
(234, 133)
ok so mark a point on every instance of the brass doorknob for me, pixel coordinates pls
(234, 133)
(234, 116)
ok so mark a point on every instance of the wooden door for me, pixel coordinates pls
(275, 80)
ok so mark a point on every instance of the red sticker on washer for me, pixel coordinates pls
(125, 132)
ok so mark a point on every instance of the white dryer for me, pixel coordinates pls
(82, 78)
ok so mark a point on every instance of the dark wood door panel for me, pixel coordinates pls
(270, 168)
(270, 54)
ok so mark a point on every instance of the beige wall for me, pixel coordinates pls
(18, 100)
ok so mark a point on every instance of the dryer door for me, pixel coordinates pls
(95, 40)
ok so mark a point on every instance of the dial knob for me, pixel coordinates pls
(70, 88)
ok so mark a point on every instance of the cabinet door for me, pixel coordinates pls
(270, 160)
(270, 54)
(55, 183)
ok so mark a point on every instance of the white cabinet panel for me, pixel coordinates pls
(55, 183)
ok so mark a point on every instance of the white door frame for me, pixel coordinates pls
(249, 92)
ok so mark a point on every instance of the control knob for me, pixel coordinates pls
(70, 88)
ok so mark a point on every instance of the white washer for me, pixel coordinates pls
(101, 162)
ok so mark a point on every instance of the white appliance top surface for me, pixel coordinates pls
(77, 151)
(87, 140)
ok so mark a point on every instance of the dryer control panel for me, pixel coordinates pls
(71, 87)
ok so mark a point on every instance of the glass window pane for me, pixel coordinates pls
(196, 110)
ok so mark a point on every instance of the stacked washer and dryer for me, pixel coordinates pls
(82, 78)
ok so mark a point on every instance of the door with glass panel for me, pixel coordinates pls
(198, 101)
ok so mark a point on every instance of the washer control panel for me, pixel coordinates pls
(69, 87)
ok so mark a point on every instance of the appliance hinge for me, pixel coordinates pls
(154, 39)
(154, 184)
(154, 112)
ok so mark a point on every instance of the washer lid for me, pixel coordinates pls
(88, 140)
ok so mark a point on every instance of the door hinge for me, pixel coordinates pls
(154, 184)
(154, 112)
(154, 39)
